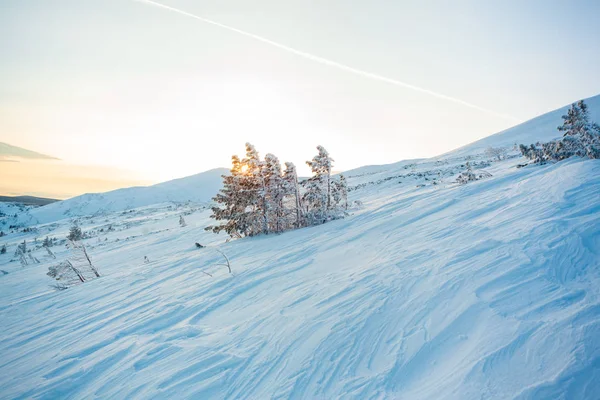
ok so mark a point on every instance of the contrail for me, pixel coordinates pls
(331, 63)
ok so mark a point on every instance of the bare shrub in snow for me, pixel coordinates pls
(470, 176)
(50, 253)
(498, 153)
(21, 253)
(227, 263)
(77, 268)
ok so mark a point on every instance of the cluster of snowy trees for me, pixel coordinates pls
(258, 197)
(581, 138)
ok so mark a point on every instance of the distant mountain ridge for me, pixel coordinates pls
(28, 200)
(8, 150)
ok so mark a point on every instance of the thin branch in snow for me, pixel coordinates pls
(228, 265)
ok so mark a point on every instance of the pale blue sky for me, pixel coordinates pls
(123, 84)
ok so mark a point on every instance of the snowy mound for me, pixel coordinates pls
(428, 290)
(196, 188)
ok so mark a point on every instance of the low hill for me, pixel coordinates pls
(199, 188)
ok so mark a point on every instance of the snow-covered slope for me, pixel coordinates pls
(542, 128)
(428, 291)
(197, 188)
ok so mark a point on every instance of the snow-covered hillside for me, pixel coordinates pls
(542, 128)
(199, 188)
(429, 290)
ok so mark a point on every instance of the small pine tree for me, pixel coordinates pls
(47, 242)
(182, 221)
(2, 233)
(317, 198)
(75, 233)
(341, 193)
(3, 249)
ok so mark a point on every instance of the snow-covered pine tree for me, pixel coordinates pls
(342, 193)
(581, 136)
(75, 232)
(274, 193)
(253, 190)
(317, 197)
(292, 188)
(231, 204)
(241, 201)
(314, 200)
(533, 152)
(321, 166)
(3, 249)
(574, 119)
(182, 221)
(47, 242)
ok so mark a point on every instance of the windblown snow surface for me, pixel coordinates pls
(427, 291)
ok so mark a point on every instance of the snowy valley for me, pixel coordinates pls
(427, 289)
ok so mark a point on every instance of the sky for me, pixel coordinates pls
(131, 90)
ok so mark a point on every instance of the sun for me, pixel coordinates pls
(244, 169)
